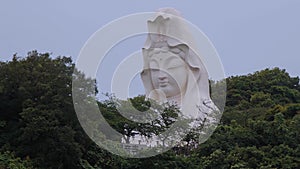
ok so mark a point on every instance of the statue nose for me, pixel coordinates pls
(162, 75)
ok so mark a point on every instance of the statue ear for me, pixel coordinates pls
(145, 52)
(146, 57)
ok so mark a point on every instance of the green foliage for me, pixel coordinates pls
(271, 85)
(39, 127)
(9, 161)
(38, 104)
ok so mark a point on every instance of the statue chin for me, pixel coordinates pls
(158, 95)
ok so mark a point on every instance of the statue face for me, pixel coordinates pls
(168, 73)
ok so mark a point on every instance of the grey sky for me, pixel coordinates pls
(248, 35)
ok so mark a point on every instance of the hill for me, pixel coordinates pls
(39, 128)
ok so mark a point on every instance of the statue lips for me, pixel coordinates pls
(163, 83)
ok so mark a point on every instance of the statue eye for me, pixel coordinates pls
(154, 70)
(175, 63)
(153, 65)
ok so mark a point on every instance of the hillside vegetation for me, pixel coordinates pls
(39, 128)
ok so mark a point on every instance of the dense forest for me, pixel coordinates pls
(39, 127)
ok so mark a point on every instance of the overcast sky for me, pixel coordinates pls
(248, 35)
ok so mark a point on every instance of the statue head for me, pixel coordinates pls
(173, 71)
(168, 73)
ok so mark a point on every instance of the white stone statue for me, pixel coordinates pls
(172, 71)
